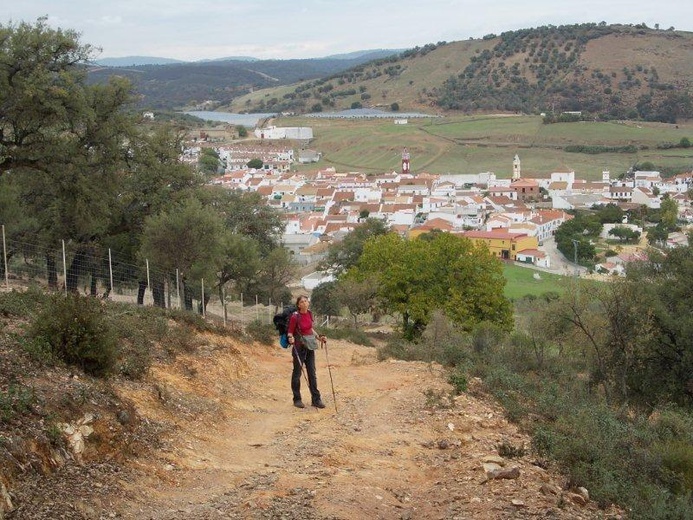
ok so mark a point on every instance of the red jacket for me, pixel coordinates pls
(304, 322)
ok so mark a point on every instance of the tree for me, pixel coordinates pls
(240, 265)
(657, 234)
(669, 213)
(664, 369)
(578, 230)
(611, 213)
(359, 297)
(242, 131)
(276, 271)
(394, 107)
(189, 239)
(446, 272)
(625, 234)
(208, 162)
(255, 163)
(324, 299)
(42, 94)
(343, 255)
(246, 214)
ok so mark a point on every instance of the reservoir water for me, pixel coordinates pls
(249, 120)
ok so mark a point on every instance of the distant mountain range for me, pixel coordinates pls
(136, 61)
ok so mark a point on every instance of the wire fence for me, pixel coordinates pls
(101, 273)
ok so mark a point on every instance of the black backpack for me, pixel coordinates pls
(281, 320)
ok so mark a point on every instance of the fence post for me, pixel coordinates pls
(180, 304)
(223, 304)
(110, 269)
(241, 308)
(4, 257)
(149, 285)
(202, 299)
(269, 310)
(257, 309)
(64, 267)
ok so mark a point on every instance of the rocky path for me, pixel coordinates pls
(390, 451)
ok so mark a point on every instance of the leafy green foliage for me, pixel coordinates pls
(78, 332)
(255, 163)
(262, 332)
(625, 234)
(415, 277)
(323, 299)
(574, 237)
(343, 255)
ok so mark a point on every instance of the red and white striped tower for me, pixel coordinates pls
(405, 161)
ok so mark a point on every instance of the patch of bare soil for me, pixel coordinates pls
(218, 437)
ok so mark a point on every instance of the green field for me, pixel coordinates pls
(459, 144)
(521, 282)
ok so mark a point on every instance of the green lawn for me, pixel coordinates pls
(521, 282)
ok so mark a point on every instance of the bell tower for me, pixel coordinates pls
(517, 169)
(405, 161)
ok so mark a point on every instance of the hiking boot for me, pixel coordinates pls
(299, 404)
(319, 404)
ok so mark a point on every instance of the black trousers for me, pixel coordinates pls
(304, 359)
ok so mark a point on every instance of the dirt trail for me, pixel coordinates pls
(386, 454)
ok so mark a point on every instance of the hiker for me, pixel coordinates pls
(304, 341)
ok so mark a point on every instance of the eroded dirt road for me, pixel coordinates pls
(386, 453)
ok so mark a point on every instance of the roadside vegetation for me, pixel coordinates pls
(601, 376)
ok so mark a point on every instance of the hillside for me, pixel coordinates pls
(614, 72)
(179, 85)
(212, 433)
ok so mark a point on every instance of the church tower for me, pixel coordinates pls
(405, 161)
(517, 169)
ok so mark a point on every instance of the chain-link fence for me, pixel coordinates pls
(99, 272)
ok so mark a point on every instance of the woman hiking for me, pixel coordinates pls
(304, 342)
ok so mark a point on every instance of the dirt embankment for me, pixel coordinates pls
(229, 444)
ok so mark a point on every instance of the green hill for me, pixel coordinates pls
(472, 144)
(606, 71)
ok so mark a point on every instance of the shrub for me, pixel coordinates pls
(17, 400)
(262, 332)
(459, 382)
(78, 333)
(352, 334)
(21, 304)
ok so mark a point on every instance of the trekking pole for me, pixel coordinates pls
(329, 370)
(300, 363)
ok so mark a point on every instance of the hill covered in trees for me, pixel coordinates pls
(179, 85)
(606, 71)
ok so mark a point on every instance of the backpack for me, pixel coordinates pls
(281, 323)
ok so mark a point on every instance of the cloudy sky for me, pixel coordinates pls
(281, 29)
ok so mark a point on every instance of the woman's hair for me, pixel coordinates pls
(298, 300)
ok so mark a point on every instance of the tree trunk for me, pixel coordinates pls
(187, 298)
(159, 293)
(141, 288)
(78, 266)
(52, 272)
(94, 280)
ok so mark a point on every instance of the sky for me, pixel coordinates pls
(281, 29)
